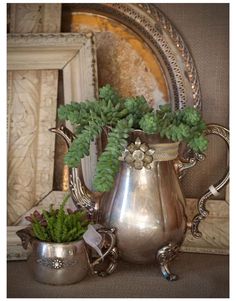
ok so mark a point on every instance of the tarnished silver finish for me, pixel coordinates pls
(146, 207)
(67, 263)
(183, 164)
(165, 255)
(111, 252)
(58, 264)
(139, 155)
(203, 212)
(81, 195)
(157, 31)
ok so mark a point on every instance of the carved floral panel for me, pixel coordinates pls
(32, 99)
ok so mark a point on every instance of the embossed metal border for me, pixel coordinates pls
(148, 22)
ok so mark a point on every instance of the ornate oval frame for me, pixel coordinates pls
(147, 21)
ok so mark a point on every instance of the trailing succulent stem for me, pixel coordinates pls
(108, 163)
(123, 115)
(57, 225)
(81, 144)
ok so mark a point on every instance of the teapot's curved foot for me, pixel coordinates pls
(167, 274)
(164, 256)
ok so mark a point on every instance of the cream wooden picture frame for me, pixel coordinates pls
(33, 61)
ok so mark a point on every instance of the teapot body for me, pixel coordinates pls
(146, 206)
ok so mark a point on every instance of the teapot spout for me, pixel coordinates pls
(64, 133)
(82, 196)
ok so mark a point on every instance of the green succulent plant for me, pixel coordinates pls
(122, 115)
(59, 226)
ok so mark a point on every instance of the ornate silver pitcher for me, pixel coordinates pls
(146, 205)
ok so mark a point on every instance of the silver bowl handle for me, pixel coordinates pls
(111, 252)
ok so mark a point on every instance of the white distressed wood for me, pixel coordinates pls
(80, 84)
(45, 142)
(30, 18)
(25, 18)
(15, 251)
(35, 17)
(51, 17)
(32, 111)
(23, 129)
(215, 228)
(43, 51)
(37, 59)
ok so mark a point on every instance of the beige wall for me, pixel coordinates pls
(205, 29)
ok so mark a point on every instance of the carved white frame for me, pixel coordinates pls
(74, 54)
(60, 51)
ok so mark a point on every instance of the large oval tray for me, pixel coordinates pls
(150, 25)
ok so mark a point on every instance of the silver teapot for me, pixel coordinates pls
(146, 205)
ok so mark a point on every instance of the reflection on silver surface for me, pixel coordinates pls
(57, 263)
(146, 206)
(67, 263)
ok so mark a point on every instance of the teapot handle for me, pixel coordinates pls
(213, 189)
(111, 252)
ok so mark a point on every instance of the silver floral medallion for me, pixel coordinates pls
(139, 155)
(56, 262)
